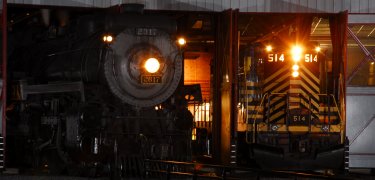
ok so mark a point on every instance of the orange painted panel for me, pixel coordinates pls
(197, 71)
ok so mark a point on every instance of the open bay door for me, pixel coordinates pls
(225, 88)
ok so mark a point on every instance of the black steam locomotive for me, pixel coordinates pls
(97, 95)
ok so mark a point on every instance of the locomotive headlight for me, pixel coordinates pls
(181, 41)
(295, 74)
(297, 53)
(152, 65)
(295, 67)
(107, 38)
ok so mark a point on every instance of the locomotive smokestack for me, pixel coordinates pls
(132, 8)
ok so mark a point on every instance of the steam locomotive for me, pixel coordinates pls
(98, 95)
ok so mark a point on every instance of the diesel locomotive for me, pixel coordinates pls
(292, 99)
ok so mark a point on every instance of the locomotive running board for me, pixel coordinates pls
(52, 88)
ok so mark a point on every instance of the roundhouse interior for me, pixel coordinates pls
(248, 107)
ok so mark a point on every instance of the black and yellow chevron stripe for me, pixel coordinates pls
(302, 93)
(251, 97)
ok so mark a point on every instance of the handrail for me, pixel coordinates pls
(338, 109)
(267, 95)
(335, 102)
(247, 119)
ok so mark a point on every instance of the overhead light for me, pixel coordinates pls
(316, 26)
(317, 49)
(371, 32)
(359, 29)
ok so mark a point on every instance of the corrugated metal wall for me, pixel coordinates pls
(354, 6)
(360, 126)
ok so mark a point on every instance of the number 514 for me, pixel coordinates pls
(311, 58)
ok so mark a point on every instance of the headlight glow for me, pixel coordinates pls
(152, 65)
(297, 53)
(269, 48)
(295, 67)
(317, 49)
(181, 41)
(295, 74)
(107, 38)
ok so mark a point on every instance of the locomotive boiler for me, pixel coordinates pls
(98, 95)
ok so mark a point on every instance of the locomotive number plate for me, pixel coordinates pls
(299, 120)
(146, 31)
(151, 79)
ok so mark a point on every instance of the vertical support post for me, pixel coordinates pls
(4, 74)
